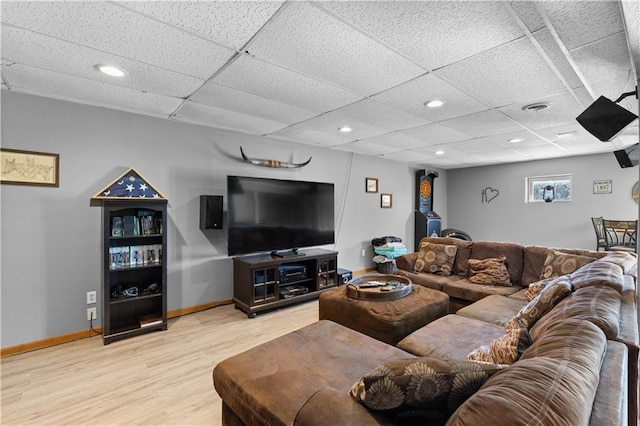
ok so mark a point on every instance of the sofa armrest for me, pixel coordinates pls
(407, 262)
(329, 407)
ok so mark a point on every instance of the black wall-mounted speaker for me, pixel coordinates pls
(627, 157)
(605, 119)
(211, 212)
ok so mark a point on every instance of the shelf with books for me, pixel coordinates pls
(135, 273)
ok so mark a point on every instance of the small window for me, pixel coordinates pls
(548, 188)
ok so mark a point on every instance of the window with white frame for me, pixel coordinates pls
(548, 188)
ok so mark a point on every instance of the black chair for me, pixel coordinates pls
(601, 238)
(621, 234)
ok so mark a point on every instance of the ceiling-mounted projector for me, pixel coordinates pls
(605, 119)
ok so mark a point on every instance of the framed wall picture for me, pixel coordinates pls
(386, 201)
(602, 186)
(371, 184)
(19, 167)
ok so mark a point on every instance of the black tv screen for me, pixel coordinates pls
(627, 157)
(605, 119)
(273, 214)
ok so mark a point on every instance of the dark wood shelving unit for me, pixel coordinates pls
(264, 282)
(134, 261)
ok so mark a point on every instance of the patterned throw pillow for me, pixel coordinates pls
(491, 271)
(425, 389)
(505, 349)
(435, 259)
(535, 288)
(548, 297)
(558, 263)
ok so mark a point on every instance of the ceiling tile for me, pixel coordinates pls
(541, 151)
(396, 141)
(582, 22)
(329, 49)
(530, 139)
(605, 64)
(435, 33)
(489, 77)
(484, 123)
(379, 114)
(269, 81)
(332, 121)
(193, 112)
(551, 48)
(564, 108)
(435, 133)
(527, 12)
(41, 82)
(235, 100)
(231, 23)
(472, 146)
(409, 156)
(366, 147)
(33, 49)
(110, 28)
(308, 137)
(412, 95)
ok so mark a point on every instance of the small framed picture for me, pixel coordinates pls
(386, 201)
(602, 186)
(371, 184)
(18, 167)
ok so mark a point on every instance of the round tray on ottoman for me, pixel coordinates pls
(378, 287)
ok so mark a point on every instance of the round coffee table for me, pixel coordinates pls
(387, 320)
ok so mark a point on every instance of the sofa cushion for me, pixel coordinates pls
(462, 256)
(435, 339)
(491, 271)
(627, 261)
(599, 305)
(540, 391)
(558, 263)
(466, 290)
(598, 273)
(433, 281)
(433, 387)
(548, 297)
(506, 349)
(435, 258)
(535, 256)
(269, 383)
(495, 309)
(512, 251)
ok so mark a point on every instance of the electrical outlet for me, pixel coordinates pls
(92, 314)
(91, 297)
(363, 253)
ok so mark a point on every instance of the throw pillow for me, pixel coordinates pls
(505, 349)
(535, 288)
(436, 259)
(491, 271)
(558, 263)
(430, 388)
(548, 297)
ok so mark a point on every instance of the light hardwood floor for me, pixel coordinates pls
(162, 378)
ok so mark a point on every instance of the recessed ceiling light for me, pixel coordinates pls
(515, 140)
(566, 134)
(111, 70)
(434, 103)
(345, 129)
(439, 152)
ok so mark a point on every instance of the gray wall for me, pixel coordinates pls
(559, 224)
(51, 237)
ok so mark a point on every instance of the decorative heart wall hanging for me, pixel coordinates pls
(489, 194)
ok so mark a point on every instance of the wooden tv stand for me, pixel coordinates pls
(263, 282)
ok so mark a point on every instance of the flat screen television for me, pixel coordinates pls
(627, 157)
(271, 215)
(605, 119)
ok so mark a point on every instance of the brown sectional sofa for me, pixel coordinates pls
(581, 368)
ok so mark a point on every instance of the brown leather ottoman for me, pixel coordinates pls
(386, 320)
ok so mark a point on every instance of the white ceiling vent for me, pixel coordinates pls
(537, 107)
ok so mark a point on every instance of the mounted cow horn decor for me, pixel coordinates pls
(273, 163)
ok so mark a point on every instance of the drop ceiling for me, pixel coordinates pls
(298, 71)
